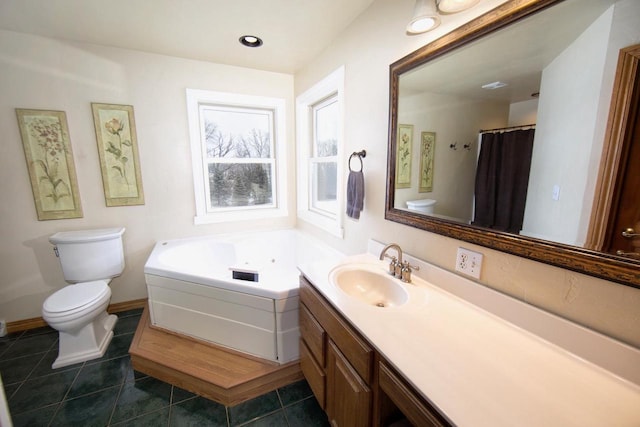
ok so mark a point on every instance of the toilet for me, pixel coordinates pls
(425, 206)
(89, 259)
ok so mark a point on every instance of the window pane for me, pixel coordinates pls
(237, 133)
(234, 184)
(326, 128)
(324, 187)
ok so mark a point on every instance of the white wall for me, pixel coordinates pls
(568, 106)
(366, 48)
(41, 73)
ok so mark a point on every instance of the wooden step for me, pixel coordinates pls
(217, 373)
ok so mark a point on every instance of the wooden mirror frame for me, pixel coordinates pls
(602, 265)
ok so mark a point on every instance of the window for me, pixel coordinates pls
(236, 141)
(324, 157)
(319, 113)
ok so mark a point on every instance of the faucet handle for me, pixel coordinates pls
(407, 270)
(393, 264)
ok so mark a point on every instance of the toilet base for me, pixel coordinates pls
(90, 342)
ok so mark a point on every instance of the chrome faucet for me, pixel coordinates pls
(398, 268)
(395, 266)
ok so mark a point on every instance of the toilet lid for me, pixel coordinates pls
(74, 296)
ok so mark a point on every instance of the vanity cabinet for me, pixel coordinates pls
(354, 384)
(336, 361)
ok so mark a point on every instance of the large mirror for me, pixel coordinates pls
(518, 99)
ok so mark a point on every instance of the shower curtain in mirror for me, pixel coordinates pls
(502, 178)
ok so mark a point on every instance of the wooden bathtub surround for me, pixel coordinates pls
(217, 373)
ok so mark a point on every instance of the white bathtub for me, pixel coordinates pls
(192, 290)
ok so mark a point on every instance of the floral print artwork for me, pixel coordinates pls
(403, 156)
(115, 132)
(50, 162)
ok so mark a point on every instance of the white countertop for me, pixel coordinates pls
(498, 362)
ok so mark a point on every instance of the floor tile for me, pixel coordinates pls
(41, 391)
(38, 417)
(44, 366)
(100, 375)
(294, 392)
(141, 397)
(87, 411)
(126, 325)
(39, 331)
(30, 345)
(153, 419)
(107, 391)
(132, 312)
(178, 395)
(306, 413)
(118, 347)
(198, 412)
(18, 369)
(254, 408)
(277, 419)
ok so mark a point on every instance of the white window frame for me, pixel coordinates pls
(331, 85)
(197, 98)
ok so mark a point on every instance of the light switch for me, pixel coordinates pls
(556, 192)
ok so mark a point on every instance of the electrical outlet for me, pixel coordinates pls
(469, 262)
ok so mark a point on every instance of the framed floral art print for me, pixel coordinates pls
(403, 156)
(52, 172)
(427, 149)
(118, 150)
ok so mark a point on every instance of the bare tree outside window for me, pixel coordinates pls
(239, 156)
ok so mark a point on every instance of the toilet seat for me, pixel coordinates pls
(75, 299)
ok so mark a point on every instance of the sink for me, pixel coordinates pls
(369, 284)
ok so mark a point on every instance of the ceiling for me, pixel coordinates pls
(294, 31)
(516, 55)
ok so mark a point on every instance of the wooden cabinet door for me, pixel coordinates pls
(348, 397)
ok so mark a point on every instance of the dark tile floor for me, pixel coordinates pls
(108, 392)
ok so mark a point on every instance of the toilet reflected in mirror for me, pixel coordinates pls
(425, 206)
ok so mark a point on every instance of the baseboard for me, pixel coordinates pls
(38, 322)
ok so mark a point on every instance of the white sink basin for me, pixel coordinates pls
(369, 284)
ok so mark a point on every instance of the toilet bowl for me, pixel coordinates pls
(78, 313)
(425, 206)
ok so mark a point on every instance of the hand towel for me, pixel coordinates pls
(355, 194)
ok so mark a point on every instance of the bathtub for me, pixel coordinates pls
(238, 290)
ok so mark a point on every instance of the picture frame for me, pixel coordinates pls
(427, 153)
(118, 151)
(403, 156)
(49, 157)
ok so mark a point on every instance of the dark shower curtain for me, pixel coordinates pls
(502, 179)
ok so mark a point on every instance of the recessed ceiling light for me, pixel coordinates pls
(494, 85)
(251, 41)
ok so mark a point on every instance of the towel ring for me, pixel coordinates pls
(360, 155)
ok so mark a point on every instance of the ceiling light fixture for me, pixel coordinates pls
(250, 41)
(425, 17)
(494, 85)
(455, 6)
(426, 13)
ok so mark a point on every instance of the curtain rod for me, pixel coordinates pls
(533, 125)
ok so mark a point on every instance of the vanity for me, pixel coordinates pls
(446, 351)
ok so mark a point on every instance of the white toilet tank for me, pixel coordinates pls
(90, 254)
(421, 205)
